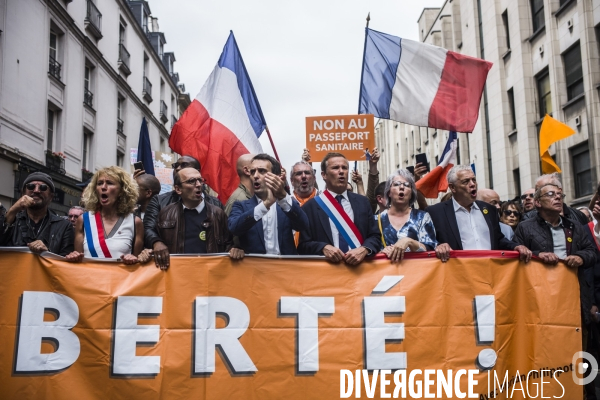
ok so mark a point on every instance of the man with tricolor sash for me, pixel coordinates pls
(342, 227)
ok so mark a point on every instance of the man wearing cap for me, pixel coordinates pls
(29, 222)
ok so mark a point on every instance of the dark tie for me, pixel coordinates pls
(343, 244)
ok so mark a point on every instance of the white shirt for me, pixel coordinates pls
(472, 227)
(198, 208)
(559, 239)
(269, 222)
(348, 208)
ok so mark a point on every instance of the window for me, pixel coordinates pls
(51, 129)
(582, 171)
(87, 151)
(121, 33)
(573, 71)
(163, 146)
(506, 30)
(537, 14)
(120, 158)
(543, 86)
(517, 180)
(511, 106)
(120, 123)
(54, 67)
(88, 95)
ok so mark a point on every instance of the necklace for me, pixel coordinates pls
(36, 233)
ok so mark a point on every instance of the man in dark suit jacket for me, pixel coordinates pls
(462, 223)
(322, 237)
(264, 223)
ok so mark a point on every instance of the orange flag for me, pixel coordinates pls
(552, 131)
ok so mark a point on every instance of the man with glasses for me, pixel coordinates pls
(151, 239)
(553, 238)
(74, 213)
(570, 213)
(191, 226)
(29, 222)
(527, 200)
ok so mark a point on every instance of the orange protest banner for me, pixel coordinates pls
(286, 328)
(351, 135)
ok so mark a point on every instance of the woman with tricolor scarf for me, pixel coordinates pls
(404, 228)
(109, 229)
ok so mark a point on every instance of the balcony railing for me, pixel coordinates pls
(55, 163)
(124, 57)
(54, 68)
(147, 90)
(163, 111)
(93, 19)
(88, 98)
(120, 125)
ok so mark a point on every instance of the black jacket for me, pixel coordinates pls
(535, 234)
(446, 227)
(153, 209)
(57, 234)
(570, 213)
(318, 235)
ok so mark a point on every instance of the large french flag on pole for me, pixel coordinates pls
(420, 84)
(436, 181)
(223, 122)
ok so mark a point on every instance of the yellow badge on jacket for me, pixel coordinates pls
(569, 240)
(203, 235)
(485, 211)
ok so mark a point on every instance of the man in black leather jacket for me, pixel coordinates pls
(151, 239)
(554, 238)
(29, 222)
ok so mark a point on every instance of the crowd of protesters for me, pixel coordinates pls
(124, 217)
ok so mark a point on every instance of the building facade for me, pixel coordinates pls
(76, 79)
(545, 56)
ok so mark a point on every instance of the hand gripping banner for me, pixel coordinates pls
(270, 328)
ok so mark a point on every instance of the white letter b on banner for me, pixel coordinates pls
(33, 329)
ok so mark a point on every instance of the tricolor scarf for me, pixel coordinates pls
(340, 218)
(94, 233)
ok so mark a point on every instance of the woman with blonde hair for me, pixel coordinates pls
(108, 228)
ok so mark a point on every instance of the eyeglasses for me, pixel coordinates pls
(552, 194)
(192, 181)
(399, 183)
(524, 196)
(508, 213)
(32, 186)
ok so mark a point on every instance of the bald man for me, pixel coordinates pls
(245, 189)
(491, 197)
(149, 186)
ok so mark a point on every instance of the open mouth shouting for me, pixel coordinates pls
(103, 198)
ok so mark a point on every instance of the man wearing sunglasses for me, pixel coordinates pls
(151, 239)
(29, 222)
(527, 200)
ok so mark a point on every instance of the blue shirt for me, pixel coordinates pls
(419, 227)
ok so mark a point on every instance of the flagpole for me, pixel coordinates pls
(363, 64)
(272, 144)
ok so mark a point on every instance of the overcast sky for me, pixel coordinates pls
(303, 57)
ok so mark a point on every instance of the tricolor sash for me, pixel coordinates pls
(94, 234)
(340, 218)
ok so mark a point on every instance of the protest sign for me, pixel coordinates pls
(351, 135)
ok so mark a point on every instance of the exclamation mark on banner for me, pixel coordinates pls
(485, 321)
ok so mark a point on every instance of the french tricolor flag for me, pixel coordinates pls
(222, 123)
(436, 181)
(420, 84)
